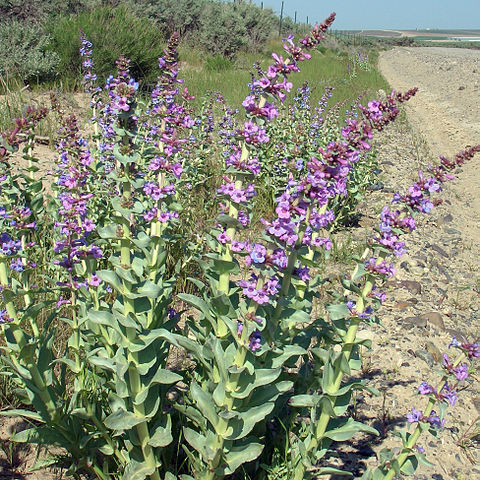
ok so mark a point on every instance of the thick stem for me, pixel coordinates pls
(132, 357)
(19, 336)
(347, 349)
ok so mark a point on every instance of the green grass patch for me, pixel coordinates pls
(324, 69)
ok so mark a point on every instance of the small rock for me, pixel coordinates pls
(435, 319)
(402, 305)
(461, 87)
(412, 286)
(434, 351)
(387, 162)
(425, 356)
(452, 231)
(416, 321)
(405, 266)
(412, 301)
(440, 250)
(448, 218)
(460, 336)
(376, 187)
(476, 403)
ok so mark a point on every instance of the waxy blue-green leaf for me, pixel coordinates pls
(338, 312)
(18, 412)
(269, 393)
(204, 403)
(347, 431)
(332, 471)
(240, 454)
(289, 351)
(104, 317)
(40, 435)
(150, 290)
(198, 303)
(162, 435)
(137, 471)
(108, 231)
(111, 278)
(410, 465)
(122, 420)
(247, 384)
(200, 443)
(243, 423)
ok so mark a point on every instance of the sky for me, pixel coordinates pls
(384, 14)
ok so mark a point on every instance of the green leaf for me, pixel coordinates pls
(163, 435)
(196, 302)
(150, 290)
(262, 377)
(40, 435)
(199, 443)
(241, 454)
(337, 312)
(410, 465)
(304, 400)
(137, 471)
(22, 413)
(347, 431)
(205, 403)
(243, 423)
(112, 278)
(122, 420)
(109, 231)
(289, 351)
(332, 471)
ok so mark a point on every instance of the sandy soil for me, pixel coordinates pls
(435, 293)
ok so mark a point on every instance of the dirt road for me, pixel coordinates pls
(446, 109)
(436, 291)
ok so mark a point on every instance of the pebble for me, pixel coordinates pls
(460, 336)
(435, 319)
(416, 321)
(452, 231)
(376, 187)
(412, 286)
(440, 250)
(476, 403)
(427, 357)
(434, 352)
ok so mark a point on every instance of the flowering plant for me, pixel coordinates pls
(261, 368)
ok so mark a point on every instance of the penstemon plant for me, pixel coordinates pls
(100, 255)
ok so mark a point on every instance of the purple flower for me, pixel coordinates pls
(94, 280)
(255, 341)
(223, 238)
(415, 416)
(425, 389)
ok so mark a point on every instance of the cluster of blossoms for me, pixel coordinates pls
(89, 77)
(18, 223)
(433, 419)
(74, 223)
(167, 123)
(10, 139)
(447, 392)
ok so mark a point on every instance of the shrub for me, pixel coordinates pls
(222, 30)
(259, 24)
(23, 52)
(116, 32)
(181, 16)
